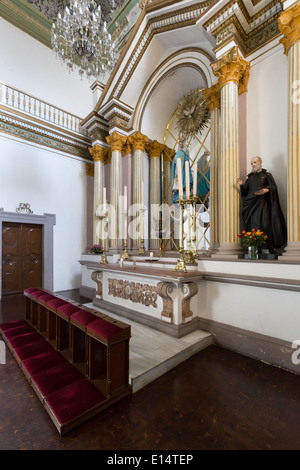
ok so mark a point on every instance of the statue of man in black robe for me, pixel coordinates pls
(261, 208)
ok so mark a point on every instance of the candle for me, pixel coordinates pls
(121, 263)
(151, 254)
(104, 199)
(180, 179)
(125, 198)
(195, 179)
(187, 179)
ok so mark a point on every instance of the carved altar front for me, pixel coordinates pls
(157, 297)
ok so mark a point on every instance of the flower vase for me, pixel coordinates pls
(253, 252)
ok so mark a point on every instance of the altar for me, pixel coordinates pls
(149, 293)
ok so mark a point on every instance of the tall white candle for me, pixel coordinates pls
(187, 179)
(180, 178)
(125, 198)
(195, 179)
(104, 199)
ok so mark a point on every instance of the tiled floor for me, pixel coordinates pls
(153, 353)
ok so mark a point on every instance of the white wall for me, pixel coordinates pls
(51, 183)
(28, 65)
(267, 111)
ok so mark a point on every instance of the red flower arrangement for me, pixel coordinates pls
(253, 238)
(96, 249)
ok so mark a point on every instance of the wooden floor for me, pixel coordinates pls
(216, 400)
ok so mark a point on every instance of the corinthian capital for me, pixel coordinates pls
(289, 25)
(232, 68)
(98, 153)
(138, 141)
(116, 141)
(154, 149)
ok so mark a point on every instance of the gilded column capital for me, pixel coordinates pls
(289, 25)
(154, 149)
(232, 68)
(116, 141)
(127, 149)
(168, 154)
(212, 96)
(98, 153)
(138, 141)
(89, 169)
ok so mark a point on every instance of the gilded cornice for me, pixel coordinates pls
(249, 32)
(138, 141)
(116, 141)
(232, 68)
(154, 148)
(212, 96)
(289, 25)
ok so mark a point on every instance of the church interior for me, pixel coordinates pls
(150, 225)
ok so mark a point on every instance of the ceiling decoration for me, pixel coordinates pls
(50, 9)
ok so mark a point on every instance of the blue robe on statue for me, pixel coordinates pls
(180, 158)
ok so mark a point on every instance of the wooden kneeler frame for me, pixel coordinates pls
(75, 358)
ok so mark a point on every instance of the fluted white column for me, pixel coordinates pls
(99, 154)
(289, 24)
(116, 142)
(138, 142)
(233, 73)
(154, 149)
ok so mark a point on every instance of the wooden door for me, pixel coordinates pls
(22, 257)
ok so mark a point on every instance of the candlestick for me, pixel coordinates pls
(180, 262)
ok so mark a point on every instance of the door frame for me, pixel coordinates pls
(47, 221)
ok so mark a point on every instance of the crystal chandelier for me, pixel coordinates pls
(143, 3)
(80, 37)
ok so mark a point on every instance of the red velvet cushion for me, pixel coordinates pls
(103, 328)
(45, 298)
(29, 290)
(74, 400)
(38, 293)
(27, 338)
(18, 331)
(12, 324)
(31, 350)
(55, 302)
(68, 309)
(56, 378)
(83, 317)
(35, 365)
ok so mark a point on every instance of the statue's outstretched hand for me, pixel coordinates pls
(261, 192)
(239, 181)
